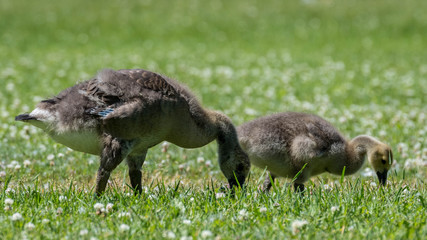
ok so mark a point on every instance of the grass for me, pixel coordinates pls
(361, 65)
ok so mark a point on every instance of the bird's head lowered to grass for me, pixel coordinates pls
(381, 159)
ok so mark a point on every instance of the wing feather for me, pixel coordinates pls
(121, 89)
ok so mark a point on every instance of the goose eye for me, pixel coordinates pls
(383, 161)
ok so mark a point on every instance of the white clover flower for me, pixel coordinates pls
(368, 172)
(243, 214)
(417, 146)
(82, 210)
(10, 190)
(60, 155)
(109, 207)
(5, 114)
(263, 209)
(29, 226)
(165, 146)
(17, 167)
(334, 208)
(250, 111)
(2, 174)
(124, 228)
(297, 225)
(8, 201)
(16, 217)
(124, 214)
(169, 234)
(98, 206)
(181, 167)
(208, 163)
(342, 119)
(84, 232)
(185, 238)
(59, 210)
(192, 199)
(27, 163)
(45, 221)
(200, 160)
(12, 164)
(180, 205)
(186, 222)
(10, 87)
(206, 234)
(220, 195)
(152, 197)
(415, 163)
(62, 198)
(50, 157)
(373, 184)
(145, 189)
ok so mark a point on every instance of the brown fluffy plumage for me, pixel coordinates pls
(121, 114)
(284, 143)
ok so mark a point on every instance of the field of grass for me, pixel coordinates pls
(362, 65)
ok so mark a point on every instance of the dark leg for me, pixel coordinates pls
(111, 157)
(268, 182)
(135, 163)
(298, 187)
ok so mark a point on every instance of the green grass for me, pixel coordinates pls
(362, 65)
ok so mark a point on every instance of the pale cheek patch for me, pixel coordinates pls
(42, 115)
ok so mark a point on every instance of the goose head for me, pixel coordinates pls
(381, 159)
(42, 117)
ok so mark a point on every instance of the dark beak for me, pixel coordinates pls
(382, 177)
(24, 117)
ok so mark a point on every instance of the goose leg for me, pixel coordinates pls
(298, 187)
(111, 157)
(135, 163)
(268, 182)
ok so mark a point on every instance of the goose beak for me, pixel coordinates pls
(382, 177)
(24, 117)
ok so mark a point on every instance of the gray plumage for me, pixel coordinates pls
(284, 143)
(121, 114)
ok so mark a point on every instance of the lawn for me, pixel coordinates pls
(362, 65)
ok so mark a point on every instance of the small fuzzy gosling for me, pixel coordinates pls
(121, 114)
(284, 143)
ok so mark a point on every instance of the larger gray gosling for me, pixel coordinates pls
(284, 143)
(121, 114)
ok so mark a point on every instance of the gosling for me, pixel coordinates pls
(286, 143)
(121, 114)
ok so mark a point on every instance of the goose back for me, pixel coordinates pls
(284, 142)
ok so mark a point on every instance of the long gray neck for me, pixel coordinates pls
(232, 159)
(226, 136)
(357, 150)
